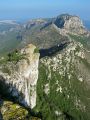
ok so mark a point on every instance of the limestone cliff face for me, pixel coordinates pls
(74, 24)
(68, 23)
(23, 77)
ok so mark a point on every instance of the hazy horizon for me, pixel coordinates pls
(31, 9)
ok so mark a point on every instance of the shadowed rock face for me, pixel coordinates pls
(70, 23)
(63, 84)
(21, 83)
(60, 20)
(53, 50)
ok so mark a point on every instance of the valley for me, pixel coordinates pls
(44, 69)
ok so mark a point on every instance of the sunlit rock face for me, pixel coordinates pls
(70, 24)
(74, 24)
(23, 78)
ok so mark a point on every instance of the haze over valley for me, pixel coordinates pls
(44, 60)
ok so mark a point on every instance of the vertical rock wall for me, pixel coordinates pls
(23, 78)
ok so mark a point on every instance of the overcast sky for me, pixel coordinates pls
(28, 9)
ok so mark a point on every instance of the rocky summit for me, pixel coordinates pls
(48, 73)
(70, 24)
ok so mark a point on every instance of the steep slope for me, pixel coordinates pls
(19, 75)
(64, 82)
(64, 85)
(70, 24)
(60, 89)
(44, 33)
(43, 38)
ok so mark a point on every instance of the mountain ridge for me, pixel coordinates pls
(34, 31)
(57, 85)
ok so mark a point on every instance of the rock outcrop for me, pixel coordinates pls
(63, 82)
(21, 77)
(69, 23)
(11, 111)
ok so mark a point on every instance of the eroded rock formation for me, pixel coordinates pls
(23, 76)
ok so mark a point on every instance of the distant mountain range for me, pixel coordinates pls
(15, 35)
(54, 86)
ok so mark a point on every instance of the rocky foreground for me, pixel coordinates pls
(53, 82)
